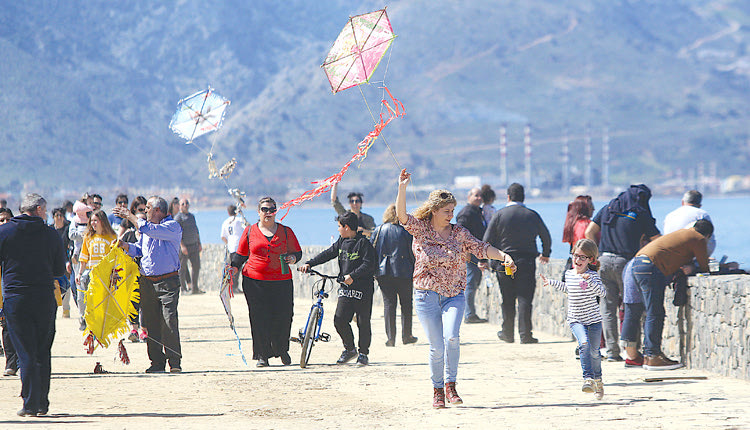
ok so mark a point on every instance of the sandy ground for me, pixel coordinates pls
(503, 385)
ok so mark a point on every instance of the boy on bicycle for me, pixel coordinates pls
(357, 264)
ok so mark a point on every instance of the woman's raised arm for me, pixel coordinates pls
(403, 181)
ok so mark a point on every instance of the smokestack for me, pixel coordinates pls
(527, 156)
(587, 157)
(565, 162)
(503, 156)
(605, 158)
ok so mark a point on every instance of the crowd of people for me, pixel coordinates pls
(431, 266)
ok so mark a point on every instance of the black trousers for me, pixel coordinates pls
(194, 256)
(519, 288)
(346, 308)
(31, 322)
(271, 308)
(159, 302)
(11, 358)
(394, 289)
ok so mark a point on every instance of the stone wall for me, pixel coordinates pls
(711, 332)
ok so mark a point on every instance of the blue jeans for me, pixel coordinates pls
(631, 325)
(652, 284)
(589, 337)
(441, 318)
(473, 279)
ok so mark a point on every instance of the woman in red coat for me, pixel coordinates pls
(267, 283)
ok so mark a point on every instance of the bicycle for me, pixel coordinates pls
(312, 331)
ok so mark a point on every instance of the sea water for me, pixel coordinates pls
(316, 225)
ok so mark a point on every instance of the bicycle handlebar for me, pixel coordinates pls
(315, 272)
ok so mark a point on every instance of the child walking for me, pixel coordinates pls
(583, 286)
(357, 264)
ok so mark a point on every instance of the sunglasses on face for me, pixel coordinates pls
(353, 201)
(122, 202)
(141, 210)
(268, 210)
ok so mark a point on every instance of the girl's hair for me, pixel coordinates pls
(174, 206)
(437, 199)
(580, 208)
(389, 216)
(487, 193)
(140, 200)
(588, 248)
(106, 226)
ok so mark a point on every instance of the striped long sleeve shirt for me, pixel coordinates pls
(582, 293)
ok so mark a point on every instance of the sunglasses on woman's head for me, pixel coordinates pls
(445, 196)
(267, 210)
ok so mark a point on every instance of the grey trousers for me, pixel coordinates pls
(611, 273)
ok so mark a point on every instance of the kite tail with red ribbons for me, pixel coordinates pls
(395, 109)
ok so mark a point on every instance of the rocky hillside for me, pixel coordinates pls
(89, 89)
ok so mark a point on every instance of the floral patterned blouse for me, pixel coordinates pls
(440, 264)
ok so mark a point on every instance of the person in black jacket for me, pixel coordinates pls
(514, 229)
(471, 218)
(356, 258)
(394, 274)
(31, 255)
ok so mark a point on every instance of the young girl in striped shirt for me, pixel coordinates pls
(583, 286)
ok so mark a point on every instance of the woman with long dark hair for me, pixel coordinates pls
(577, 219)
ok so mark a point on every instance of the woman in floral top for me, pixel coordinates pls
(441, 250)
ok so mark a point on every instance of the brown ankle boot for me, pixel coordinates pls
(451, 394)
(438, 399)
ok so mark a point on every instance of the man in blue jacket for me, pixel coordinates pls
(159, 247)
(31, 255)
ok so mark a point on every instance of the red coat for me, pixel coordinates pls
(263, 255)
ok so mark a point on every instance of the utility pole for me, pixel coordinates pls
(503, 156)
(527, 155)
(587, 157)
(605, 158)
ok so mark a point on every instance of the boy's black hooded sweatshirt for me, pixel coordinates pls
(356, 258)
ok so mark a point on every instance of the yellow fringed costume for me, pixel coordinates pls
(111, 297)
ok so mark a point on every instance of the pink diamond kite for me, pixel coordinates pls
(358, 50)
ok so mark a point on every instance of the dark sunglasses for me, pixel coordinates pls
(445, 196)
(141, 210)
(266, 210)
(122, 202)
(88, 214)
(355, 201)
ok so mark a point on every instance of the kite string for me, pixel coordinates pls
(375, 121)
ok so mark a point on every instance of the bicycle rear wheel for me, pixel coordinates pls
(309, 340)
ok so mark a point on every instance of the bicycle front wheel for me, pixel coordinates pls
(309, 339)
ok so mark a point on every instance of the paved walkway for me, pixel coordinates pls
(503, 385)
